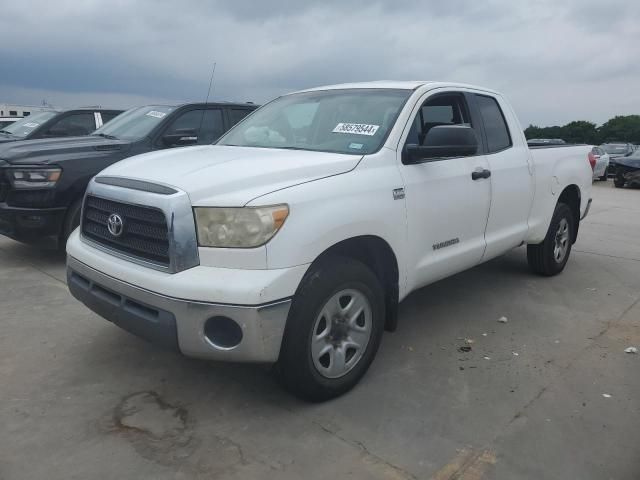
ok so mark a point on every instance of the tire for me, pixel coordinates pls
(618, 183)
(340, 285)
(604, 177)
(550, 257)
(71, 222)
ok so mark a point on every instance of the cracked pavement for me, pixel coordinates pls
(80, 398)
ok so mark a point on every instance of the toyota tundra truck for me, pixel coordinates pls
(293, 239)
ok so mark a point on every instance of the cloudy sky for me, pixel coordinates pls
(557, 61)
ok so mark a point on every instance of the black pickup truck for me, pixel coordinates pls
(53, 124)
(42, 182)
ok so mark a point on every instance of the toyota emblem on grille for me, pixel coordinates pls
(115, 224)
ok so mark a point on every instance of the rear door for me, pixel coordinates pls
(447, 209)
(511, 176)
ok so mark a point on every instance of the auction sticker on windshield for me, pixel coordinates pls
(153, 113)
(356, 128)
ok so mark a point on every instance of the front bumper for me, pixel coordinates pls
(40, 226)
(177, 323)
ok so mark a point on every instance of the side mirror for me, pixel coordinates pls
(181, 137)
(443, 141)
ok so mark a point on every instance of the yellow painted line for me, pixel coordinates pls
(468, 464)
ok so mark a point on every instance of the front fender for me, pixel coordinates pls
(331, 210)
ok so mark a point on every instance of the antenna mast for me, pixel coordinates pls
(213, 71)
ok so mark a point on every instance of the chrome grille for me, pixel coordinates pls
(145, 233)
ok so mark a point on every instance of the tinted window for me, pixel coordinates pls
(108, 116)
(189, 124)
(498, 137)
(212, 127)
(77, 124)
(235, 115)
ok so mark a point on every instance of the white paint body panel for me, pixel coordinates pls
(334, 197)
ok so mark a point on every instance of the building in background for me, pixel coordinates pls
(19, 111)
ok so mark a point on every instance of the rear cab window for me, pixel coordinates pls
(495, 125)
(237, 114)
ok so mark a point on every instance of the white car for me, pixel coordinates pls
(601, 164)
(294, 238)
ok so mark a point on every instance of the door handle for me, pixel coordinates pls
(480, 173)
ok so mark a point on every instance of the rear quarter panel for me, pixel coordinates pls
(556, 169)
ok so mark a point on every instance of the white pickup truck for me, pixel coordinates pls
(294, 238)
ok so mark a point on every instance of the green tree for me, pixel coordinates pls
(621, 129)
(580, 131)
(543, 132)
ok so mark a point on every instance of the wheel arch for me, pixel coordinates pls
(377, 254)
(572, 197)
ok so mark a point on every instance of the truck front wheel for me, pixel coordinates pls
(333, 330)
(549, 257)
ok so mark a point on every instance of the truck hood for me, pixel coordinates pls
(53, 150)
(228, 176)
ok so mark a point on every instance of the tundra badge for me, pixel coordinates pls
(448, 243)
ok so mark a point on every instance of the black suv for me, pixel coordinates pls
(52, 124)
(42, 182)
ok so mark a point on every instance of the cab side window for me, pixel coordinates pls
(199, 127)
(447, 109)
(74, 125)
(108, 116)
(236, 114)
(495, 126)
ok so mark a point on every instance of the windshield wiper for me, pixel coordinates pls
(105, 135)
(6, 132)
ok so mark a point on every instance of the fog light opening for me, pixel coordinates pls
(223, 332)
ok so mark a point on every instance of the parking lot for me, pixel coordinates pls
(548, 394)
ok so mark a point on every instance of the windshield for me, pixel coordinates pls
(353, 121)
(26, 125)
(134, 123)
(613, 148)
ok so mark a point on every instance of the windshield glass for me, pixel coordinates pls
(26, 125)
(134, 123)
(613, 148)
(353, 121)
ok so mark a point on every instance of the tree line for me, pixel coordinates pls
(623, 129)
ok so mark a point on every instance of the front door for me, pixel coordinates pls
(447, 209)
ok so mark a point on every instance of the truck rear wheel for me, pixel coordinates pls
(550, 257)
(333, 330)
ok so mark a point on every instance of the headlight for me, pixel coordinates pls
(238, 227)
(34, 177)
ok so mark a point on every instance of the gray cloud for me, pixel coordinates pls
(557, 62)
